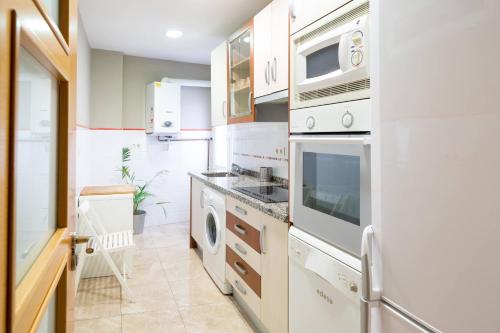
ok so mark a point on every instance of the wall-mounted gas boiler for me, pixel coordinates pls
(163, 108)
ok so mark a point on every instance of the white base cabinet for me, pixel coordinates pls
(269, 261)
(197, 205)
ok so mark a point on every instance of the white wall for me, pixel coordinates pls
(149, 156)
(82, 105)
(83, 77)
(255, 145)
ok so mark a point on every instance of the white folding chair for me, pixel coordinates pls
(103, 243)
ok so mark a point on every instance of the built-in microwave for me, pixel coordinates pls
(330, 58)
(330, 177)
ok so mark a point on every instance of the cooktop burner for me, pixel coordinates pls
(267, 194)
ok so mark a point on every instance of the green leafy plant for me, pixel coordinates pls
(141, 191)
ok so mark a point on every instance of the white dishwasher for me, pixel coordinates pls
(324, 286)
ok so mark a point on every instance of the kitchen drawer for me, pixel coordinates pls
(245, 251)
(244, 231)
(244, 291)
(244, 270)
(246, 213)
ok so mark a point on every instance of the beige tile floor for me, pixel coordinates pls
(173, 293)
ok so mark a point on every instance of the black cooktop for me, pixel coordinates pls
(267, 194)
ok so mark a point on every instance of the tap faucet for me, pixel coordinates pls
(236, 168)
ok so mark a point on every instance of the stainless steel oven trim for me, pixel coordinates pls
(354, 145)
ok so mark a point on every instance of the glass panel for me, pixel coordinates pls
(35, 161)
(323, 61)
(211, 230)
(332, 185)
(48, 323)
(240, 75)
(52, 8)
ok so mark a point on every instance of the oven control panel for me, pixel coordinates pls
(354, 116)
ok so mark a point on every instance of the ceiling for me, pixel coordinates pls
(138, 27)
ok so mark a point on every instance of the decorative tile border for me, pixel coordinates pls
(279, 159)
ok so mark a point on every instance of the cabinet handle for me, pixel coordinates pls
(261, 239)
(240, 229)
(240, 269)
(250, 102)
(274, 70)
(224, 109)
(266, 73)
(240, 248)
(240, 210)
(240, 287)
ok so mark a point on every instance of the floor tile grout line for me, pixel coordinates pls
(173, 296)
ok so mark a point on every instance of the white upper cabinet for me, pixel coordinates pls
(262, 51)
(305, 12)
(219, 85)
(271, 49)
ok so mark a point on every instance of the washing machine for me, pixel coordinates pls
(214, 239)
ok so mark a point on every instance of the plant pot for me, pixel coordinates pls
(139, 220)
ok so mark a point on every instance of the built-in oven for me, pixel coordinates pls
(330, 173)
(330, 58)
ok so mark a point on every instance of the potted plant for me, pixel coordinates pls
(141, 191)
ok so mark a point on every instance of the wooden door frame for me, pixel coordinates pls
(55, 47)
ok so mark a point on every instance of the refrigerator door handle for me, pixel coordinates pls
(370, 291)
(365, 309)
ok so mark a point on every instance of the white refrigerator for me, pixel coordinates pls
(434, 254)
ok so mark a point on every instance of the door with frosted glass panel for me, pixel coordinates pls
(37, 124)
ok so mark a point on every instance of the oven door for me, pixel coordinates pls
(330, 188)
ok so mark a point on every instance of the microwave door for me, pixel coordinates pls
(325, 61)
(333, 64)
(331, 189)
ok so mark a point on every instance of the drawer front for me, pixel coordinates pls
(244, 231)
(244, 270)
(244, 291)
(244, 212)
(245, 251)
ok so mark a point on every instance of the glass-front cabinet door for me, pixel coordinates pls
(241, 76)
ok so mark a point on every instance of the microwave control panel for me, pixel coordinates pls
(358, 43)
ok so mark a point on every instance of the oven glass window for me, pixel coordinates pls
(331, 185)
(323, 61)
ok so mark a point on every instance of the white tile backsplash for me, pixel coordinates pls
(251, 146)
(260, 144)
(99, 159)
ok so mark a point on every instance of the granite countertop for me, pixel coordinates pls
(225, 185)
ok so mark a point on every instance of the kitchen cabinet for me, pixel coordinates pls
(274, 272)
(197, 206)
(218, 62)
(257, 263)
(271, 48)
(240, 85)
(305, 12)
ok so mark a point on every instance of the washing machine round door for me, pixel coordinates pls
(212, 230)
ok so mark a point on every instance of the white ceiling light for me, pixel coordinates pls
(174, 34)
(246, 39)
